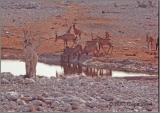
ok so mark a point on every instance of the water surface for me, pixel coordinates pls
(17, 67)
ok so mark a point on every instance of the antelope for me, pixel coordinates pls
(72, 52)
(103, 43)
(77, 50)
(77, 32)
(69, 30)
(149, 40)
(31, 57)
(66, 37)
(107, 35)
(91, 46)
(92, 36)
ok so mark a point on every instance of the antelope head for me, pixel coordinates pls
(74, 25)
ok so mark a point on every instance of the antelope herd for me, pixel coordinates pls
(94, 46)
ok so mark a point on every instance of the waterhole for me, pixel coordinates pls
(17, 67)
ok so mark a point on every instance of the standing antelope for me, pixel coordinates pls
(107, 35)
(31, 57)
(66, 37)
(71, 52)
(69, 30)
(77, 50)
(91, 47)
(150, 42)
(77, 32)
(103, 43)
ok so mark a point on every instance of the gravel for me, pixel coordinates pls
(78, 94)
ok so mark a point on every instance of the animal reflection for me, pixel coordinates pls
(87, 71)
(69, 53)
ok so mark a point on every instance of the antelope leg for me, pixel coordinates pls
(73, 44)
(112, 50)
(108, 50)
(66, 43)
(104, 52)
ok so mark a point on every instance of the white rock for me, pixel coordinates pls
(29, 81)
(13, 96)
(4, 81)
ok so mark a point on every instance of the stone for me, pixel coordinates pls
(18, 80)
(107, 98)
(4, 81)
(21, 102)
(26, 108)
(7, 75)
(29, 81)
(49, 102)
(38, 103)
(90, 104)
(44, 80)
(54, 104)
(11, 110)
(27, 98)
(13, 96)
(41, 109)
(65, 107)
(149, 108)
(12, 105)
(45, 94)
(41, 98)
(74, 105)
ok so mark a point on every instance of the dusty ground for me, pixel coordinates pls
(126, 22)
(77, 94)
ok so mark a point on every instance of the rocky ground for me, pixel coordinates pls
(125, 20)
(77, 93)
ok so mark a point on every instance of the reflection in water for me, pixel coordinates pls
(88, 71)
(17, 67)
